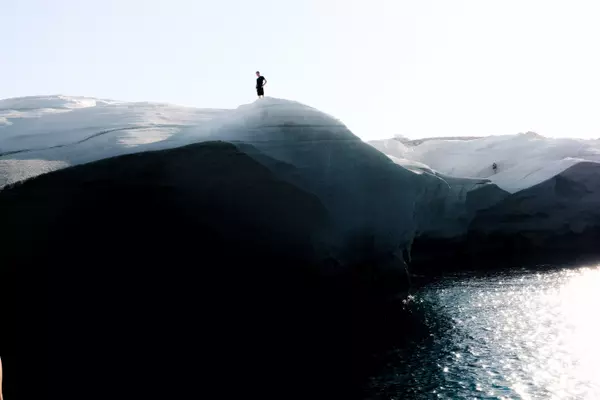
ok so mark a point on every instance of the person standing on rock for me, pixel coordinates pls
(260, 83)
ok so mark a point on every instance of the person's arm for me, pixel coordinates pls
(0, 379)
(264, 84)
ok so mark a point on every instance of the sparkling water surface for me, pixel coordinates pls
(513, 335)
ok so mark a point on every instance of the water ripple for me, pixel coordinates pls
(519, 335)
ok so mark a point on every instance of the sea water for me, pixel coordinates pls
(526, 334)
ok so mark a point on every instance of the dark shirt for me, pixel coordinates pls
(260, 81)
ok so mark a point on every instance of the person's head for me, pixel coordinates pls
(257, 73)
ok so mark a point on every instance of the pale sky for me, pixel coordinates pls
(416, 68)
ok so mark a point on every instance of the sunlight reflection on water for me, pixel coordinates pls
(519, 335)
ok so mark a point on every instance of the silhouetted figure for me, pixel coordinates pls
(495, 167)
(260, 83)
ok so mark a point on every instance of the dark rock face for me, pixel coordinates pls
(448, 210)
(211, 186)
(567, 203)
(186, 272)
(484, 198)
(554, 221)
